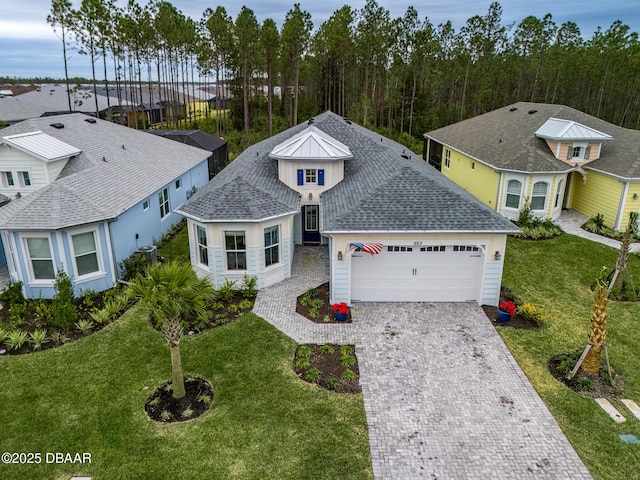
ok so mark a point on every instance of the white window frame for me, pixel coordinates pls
(447, 158)
(163, 201)
(272, 246)
(310, 176)
(506, 193)
(31, 272)
(98, 252)
(546, 196)
(25, 178)
(8, 179)
(145, 205)
(178, 184)
(202, 248)
(236, 250)
(559, 187)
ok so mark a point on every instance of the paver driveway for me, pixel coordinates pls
(444, 398)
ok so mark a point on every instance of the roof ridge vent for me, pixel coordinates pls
(532, 111)
(57, 125)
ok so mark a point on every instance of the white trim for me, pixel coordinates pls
(31, 277)
(235, 220)
(101, 272)
(623, 201)
(114, 267)
(204, 266)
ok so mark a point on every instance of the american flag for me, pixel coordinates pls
(372, 248)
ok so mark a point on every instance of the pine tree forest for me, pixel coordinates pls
(401, 76)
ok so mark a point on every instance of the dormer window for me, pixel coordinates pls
(578, 153)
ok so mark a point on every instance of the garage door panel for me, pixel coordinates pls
(416, 275)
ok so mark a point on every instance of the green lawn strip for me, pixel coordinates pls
(264, 422)
(556, 275)
(177, 248)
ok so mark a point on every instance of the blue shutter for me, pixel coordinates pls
(300, 177)
(320, 177)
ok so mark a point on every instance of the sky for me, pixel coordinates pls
(30, 48)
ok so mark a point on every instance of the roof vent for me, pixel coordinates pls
(531, 112)
(57, 125)
(513, 109)
(90, 120)
(311, 120)
(405, 156)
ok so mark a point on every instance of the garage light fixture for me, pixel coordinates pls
(310, 196)
(497, 256)
(340, 256)
(635, 196)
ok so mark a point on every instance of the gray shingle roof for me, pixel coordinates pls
(505, 139)
(89, 189)
(381, 190)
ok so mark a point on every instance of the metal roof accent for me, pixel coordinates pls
(42, 146)
(559, 130)
(311, 144)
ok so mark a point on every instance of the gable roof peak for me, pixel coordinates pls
(564, 130)
(311, 144)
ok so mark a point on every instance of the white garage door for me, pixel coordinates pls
(434, 273)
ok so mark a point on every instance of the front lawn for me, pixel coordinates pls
(557, 275)
(265, 422)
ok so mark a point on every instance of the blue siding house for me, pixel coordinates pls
(97, 192)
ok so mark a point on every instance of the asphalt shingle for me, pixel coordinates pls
(385, 187)
(117, 168)
(505, 139)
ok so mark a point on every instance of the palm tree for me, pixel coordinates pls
(172, 293)
(598, 332)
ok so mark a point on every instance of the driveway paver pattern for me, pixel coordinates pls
(444, 398)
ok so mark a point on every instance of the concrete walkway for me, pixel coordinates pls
(443, 396)
(571, 222)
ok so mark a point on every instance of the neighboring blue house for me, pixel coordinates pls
(87, 194)
(396, 228)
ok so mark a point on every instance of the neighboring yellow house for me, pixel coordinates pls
(553, 156)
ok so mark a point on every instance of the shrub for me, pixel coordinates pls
(64, 311)
(328, 349)
(245, 304)
(84, 325)
(347, 360)
(525, 217)
(17, 311)
(3, 334)
(531, 312)
(101, 316)
(332, 383)
(313, 375)
(226, 292)
(248, 288)
(38, 338)
(584, 384)
(43, 310)
(233, 308)
(349, 375)
(304, 351)
(16, 339)
(59, 338)
(302, 363)
(12, 293)
(595, 224)
(346, 350)
(134, 265)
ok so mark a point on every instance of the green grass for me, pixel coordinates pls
(556, 275)
(177, 248)
(264, 421)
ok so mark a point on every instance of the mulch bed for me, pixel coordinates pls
(602, 387)
(329, 364)
(516, 320)
(162, 407)
(325, 312)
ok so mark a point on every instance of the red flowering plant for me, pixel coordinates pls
(341, 307)
(508, 307)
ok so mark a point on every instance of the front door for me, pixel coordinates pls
(310, 224)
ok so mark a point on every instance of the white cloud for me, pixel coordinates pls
(26, 30)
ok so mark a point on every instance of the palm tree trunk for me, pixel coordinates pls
(598, 333)
(177, 372)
